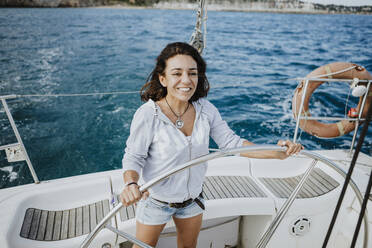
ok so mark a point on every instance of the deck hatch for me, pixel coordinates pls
(43, 225)
(216, 187)
(318, 183)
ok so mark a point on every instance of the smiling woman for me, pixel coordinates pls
(172, 128)
(155, 145)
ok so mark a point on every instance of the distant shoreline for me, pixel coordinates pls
(294, 11)
(222, 8)
(301, 8)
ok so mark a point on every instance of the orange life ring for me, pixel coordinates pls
(330, 130)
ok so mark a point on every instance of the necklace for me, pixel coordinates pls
(179, 122)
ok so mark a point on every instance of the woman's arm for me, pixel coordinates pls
(135, 155)
(292, 149)
(225, 138)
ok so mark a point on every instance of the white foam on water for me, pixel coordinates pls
(7, 169)
(48, 68)
(12, 175)
(118, 109)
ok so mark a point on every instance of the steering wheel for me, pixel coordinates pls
(222, 153)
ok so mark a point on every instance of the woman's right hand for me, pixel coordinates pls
(131, 194)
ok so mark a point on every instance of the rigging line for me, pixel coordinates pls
(102, 93)
(347, 101)
(265, 81)
(197, 36)
(368, 190)
(298, 79)
(348, 177)
(117, 92)
(134, 92)
(80, 94)
(205, 25)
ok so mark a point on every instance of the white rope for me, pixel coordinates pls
(337, 72)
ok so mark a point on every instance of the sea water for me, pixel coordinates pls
(252, 59)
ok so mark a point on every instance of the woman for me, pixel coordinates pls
(171, 128)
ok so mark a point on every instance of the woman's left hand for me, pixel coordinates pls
(292, 148)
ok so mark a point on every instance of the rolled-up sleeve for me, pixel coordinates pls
(138, 142)
(220, 132)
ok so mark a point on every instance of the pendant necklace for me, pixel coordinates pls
(179, 123)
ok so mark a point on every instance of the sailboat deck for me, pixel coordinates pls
(44, 225)
(318, 183)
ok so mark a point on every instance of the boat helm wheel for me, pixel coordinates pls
(338, 70)
(223, 153)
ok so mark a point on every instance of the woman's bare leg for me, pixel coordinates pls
(148, 234)
(188, 231)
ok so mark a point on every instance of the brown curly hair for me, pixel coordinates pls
(153, 89)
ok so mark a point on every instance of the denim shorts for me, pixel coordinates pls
(153, 212)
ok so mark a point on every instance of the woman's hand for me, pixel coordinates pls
(131, 194)
(292, 148)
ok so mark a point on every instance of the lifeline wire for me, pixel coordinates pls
(347, 180)
(122, 92)
(134, 92)
(81, 94)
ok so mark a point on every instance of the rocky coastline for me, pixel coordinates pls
(287, 6)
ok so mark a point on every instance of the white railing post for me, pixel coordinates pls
(359, 118)
(300, 112)
(18, 136)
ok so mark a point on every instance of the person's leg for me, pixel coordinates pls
(151, 217)
(148, 234)
(188, 230)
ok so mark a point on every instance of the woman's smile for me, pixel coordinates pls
(184, 89)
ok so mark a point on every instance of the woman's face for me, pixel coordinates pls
(180, 77)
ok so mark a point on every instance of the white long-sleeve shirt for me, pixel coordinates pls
(155, 146)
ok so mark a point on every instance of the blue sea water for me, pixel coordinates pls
(251, 58)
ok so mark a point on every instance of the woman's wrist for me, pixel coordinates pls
(130, 183)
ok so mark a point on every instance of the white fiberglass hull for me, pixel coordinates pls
(61, 211)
